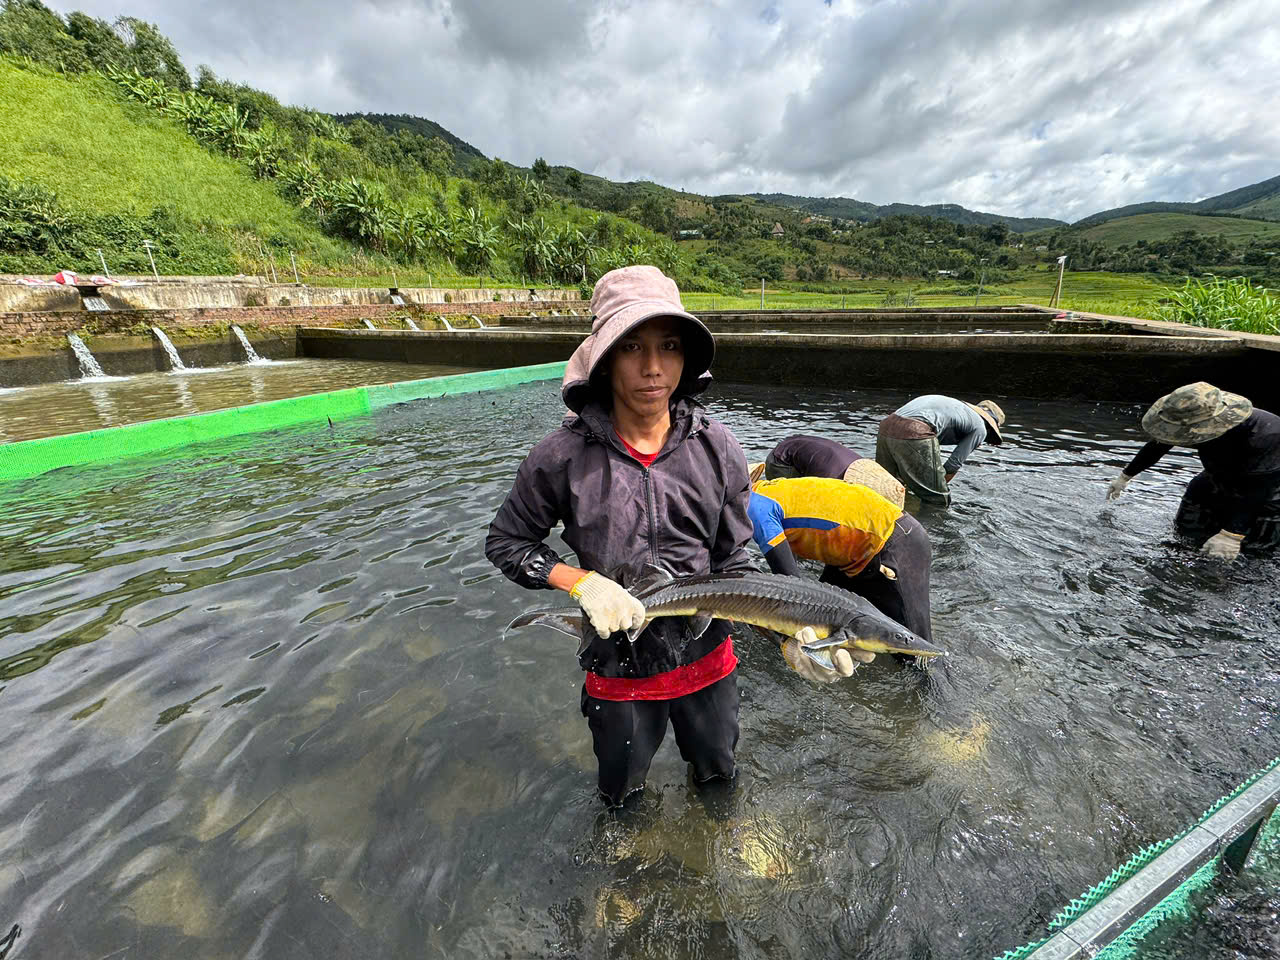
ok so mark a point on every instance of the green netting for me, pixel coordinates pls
(1020, 953)
(390, 393)
(1264, 859)
(1095, 895)
(1174, 905)
(30, 458)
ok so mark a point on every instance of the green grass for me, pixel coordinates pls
(1136, 293)
(101, 155)
(1161, 226)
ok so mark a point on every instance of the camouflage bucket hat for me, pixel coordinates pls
(1195, 413)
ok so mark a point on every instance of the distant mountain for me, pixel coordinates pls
(463, 151)
(847, 209)
(1258, 201)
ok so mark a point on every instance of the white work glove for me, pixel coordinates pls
(1224, 545)
(842, 659)
(1117, 485)
(607, 605)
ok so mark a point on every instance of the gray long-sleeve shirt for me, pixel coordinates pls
(954, 421)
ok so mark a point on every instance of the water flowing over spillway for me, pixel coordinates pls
(170, 350)
(248, 347)
(89, 366)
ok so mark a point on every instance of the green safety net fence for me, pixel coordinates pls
(1175, 904)
(29, 458)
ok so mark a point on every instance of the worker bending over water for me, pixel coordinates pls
(809, 456)
(869, 546)
(909, 442)
(1235, 500)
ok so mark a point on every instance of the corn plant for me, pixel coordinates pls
(1227, 304)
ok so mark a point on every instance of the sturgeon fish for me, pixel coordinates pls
(778, 606)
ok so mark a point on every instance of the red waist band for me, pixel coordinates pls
(690, 678)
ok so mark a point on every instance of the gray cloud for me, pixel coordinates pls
(1021, 107)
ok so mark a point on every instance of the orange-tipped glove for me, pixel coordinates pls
(607, 605)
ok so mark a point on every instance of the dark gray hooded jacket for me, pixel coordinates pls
(686, 512)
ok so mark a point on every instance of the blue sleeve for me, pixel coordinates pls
(964, 446)
(766, 521)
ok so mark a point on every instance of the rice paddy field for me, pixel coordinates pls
(1133, 295)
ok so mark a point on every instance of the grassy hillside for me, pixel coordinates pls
(1259, 200)
(1161, 226)
(103, 156)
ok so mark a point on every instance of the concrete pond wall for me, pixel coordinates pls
(172, 293)
(34, 347)
(1085, 366)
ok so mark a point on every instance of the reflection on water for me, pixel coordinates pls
(258, 703)
(71, 406)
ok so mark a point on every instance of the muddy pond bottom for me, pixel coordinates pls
(259, 703)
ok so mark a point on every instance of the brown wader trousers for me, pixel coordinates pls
(908, 449)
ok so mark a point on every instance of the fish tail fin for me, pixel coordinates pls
(568, 622)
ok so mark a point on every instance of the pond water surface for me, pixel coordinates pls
(70, 406)
(257, 702)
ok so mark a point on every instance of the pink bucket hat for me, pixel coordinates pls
(622, 300)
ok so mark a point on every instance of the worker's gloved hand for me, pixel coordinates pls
(607, 605)
(844, 661)
(1223, 545)
(1117, 485)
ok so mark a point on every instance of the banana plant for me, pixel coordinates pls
(535, 243)
(477, 238)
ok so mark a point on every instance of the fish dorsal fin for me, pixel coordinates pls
(650, 576)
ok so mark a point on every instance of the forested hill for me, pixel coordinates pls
(847, 209)
(463, 152)
(1259, 201)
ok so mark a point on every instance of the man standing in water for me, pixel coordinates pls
(1235, 500)
(909, 442)
(639, 475)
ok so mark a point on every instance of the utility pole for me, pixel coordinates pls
(981, 280)
(762, 293)
(1057, 291)
(155, 273)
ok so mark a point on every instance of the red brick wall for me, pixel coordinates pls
(23, 325)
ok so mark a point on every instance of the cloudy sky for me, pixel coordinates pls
(1018, 107)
